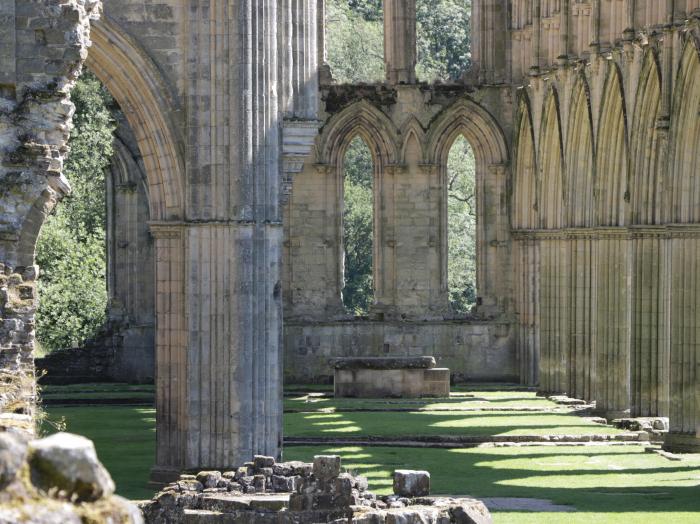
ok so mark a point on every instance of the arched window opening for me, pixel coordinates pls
(358, 228)
(71, 245)
(461, 226)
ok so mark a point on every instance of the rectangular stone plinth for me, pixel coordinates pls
(390, 377)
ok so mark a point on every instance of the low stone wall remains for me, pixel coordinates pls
(474, 351)
(266, 492)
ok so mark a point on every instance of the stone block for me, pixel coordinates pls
(13, 452)
(261, 461)
(326, 467)
(69, 462)
(209, 479)
(409, 483)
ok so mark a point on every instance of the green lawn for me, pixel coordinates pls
(432, 423)
(606, 484)
(457, 401)
(87, 392)
(125, 439)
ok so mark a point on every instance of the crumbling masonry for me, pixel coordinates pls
(583, 116)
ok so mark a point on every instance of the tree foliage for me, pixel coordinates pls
(71, 245)
(358, 228)
(355, 41)
(355, 53)
(461, 226)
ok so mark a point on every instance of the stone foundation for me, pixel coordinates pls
(377, 377)
(263, 491)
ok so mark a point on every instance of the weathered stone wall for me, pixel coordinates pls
(474, 351)
(44, 45)
(606, 225)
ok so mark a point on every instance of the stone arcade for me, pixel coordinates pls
(583, 116)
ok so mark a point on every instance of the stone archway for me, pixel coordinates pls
(217, 285)
(466, 117)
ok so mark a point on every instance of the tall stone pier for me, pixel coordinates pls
(204, 88)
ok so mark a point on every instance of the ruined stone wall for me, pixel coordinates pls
(198, 85)
(409, 129)
(44, 45)
(606, 225)
(474, 351)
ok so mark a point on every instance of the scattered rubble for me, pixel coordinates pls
(264, 491)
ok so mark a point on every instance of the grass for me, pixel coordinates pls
(459, 400)
(434, 423)
(124, 438)
(606, 484)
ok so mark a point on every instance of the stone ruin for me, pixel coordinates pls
(382, 377)
(57, 480)
(264, 491)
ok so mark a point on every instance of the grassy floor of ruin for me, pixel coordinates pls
(607, 482)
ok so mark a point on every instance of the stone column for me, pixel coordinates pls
(305, 58)
(612, 325)
(554, 309)
(650, 323)
(219, 390)
(400, 41)
(684, 434)
(526, 265)
(171, 351)
(581, 359)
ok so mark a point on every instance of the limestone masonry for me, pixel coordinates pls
(228, 180)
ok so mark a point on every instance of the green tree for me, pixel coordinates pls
(443, 39)
(71, 245)
(354, 35)
(358, 228)
(461, 226)
(354, 42)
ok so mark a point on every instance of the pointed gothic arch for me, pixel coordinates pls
(611, 186)
(644, 145)
(551, 181)
(524, 204)
(578, 183)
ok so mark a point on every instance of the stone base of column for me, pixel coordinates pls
(162, 475)
(611, 414)
(682, 443)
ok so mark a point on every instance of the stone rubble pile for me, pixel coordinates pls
(57, 480)
(264, 491)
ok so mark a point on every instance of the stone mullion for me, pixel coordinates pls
(400, 41)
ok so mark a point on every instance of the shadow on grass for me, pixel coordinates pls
(482, 474)
(411, 424)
